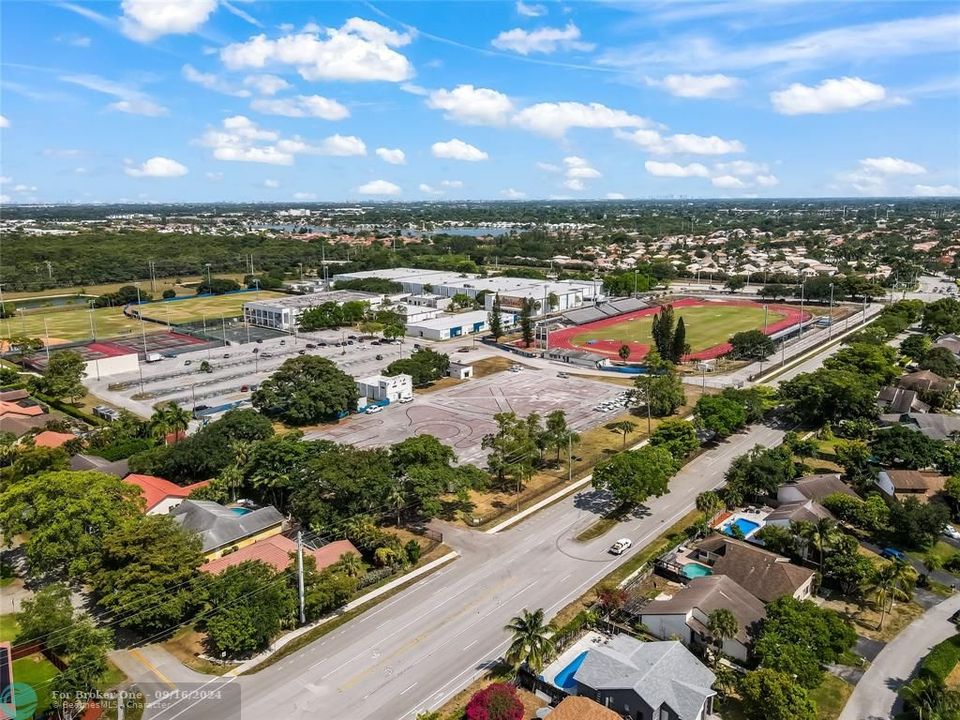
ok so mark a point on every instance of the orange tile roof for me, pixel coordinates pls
(275, 552)
(10, 408)
(581, 708)
(51, 439)
(156, 489)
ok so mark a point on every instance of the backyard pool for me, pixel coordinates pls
(695, 570)
(746, 527)
(240, 510)
(564, 679)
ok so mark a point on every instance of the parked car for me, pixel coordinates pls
(405, 399)
(373, 410)
(379, 357)
(301, 352)
(310, 346)
(226, 356)
(562, 375)
(891, 553)
(951, 532)
(621, 546)
(244, 388)
(188, 362)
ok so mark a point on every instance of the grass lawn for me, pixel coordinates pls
(36, 671)
(866, 619)
(939, 549)
(706, 326)
(162, 284)
(9, 627)
(830, 696)
(183, 311)
(71, 324)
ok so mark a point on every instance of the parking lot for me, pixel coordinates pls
(235, 370)
(461, 415)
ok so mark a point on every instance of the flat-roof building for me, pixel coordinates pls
(383, 387)
(283, 313)
(445, 327)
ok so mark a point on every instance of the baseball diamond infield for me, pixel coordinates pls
(709, 326)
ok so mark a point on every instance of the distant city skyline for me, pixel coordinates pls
(292, 102)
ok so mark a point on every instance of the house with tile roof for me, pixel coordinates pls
(576, 707)
(276, 550)
(160, 495)
(51, 439)
(646, 680)
(19, 414)
(813, 487)
(685, 614)
(763, 574)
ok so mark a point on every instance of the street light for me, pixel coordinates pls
(209, 279)
(830, 326)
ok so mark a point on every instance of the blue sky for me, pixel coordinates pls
(210, 100)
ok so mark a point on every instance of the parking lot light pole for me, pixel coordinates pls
(143, 332)
(830, 326)
(223, 329)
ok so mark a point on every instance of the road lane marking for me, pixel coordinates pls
(152, 668)
(403, 692)
(467, 647)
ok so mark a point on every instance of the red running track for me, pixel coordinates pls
(611, 348)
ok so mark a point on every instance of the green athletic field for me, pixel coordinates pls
(68, 325)
(706, 326)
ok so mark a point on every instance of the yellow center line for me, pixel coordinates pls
(152, 668)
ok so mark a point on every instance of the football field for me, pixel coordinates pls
(193, 309)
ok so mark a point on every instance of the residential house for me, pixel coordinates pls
(223, 529)
(950, 342)
(763, 574)
(813, 487)
(276, 550)
(646, 680)
(894, 399)
(51, 439)
(806, 511)
(901, 484)
(118, 468)
(575, 707)
(685, 614)
(933, 425)
(19, 414)
(925, 380)
(161, 496)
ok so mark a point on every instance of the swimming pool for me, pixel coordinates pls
(746, 527)
(564, 679)
(240, 510)
(695, 570)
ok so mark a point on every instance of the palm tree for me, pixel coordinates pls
(352, 565)
(709, 503)
(531, 644)
(624, 352)
(168, 418)
(722, 625)
(904, 576)
(625, 427)
(890, 583)
(397, 498)
(819, 534)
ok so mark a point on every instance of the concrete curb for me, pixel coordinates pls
(357, 602)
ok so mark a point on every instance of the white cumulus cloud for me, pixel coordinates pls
(727, 182)
(669, 169)
(379, 187)
(242, 140)
(146, 20)
(615, 196)
(936, 190)
(682, 144)
(554, 119)
(698, 86)
(543, 40)
(359, 50)
(472, 105)
(304, 196)
(892, 166)
(271, 183)
(4, 123)
(457, 149)
(265, 83)
(512, 194)
(429, 189)
(157, 167)
(394, 156)
(830, 96)
(531, 10)
(452, 184)
(576, 170)
(212, 82)
(302, 106)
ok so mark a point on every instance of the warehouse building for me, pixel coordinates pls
(445, 327)
(284, 313)
(379, 388)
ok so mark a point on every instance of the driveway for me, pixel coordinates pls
(875, 696)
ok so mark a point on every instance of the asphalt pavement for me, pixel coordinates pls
(422, 646)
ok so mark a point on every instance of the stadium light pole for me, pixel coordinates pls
(143, 332)
(830, 326)
(46, 344)
(209, 279)
(93, 322)
(223, 329)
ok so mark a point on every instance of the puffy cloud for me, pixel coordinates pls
(830, 96)
(892, 166)
(379, 187)
(531, 10)
(511, 194)
(357, 51)
(304, 196)
(767, 180)
(130, 100)
(452, 184)
(271, 183)
(394, 156)
(265, 83)
(576, 170)
(4, 123)
(157, 167)
(458, 150)
(470, 105)
(302, 106)
(727, 182)
(429, 189)
(212, 82)
(682, 144)
(936, 190)
(669, 169)
(544, 40)
(242, 140)
(554, 119)
(146, 20)
(548, 167)
(615, 196)
(214, 176)
(698, 86)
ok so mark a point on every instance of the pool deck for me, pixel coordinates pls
(589, 640)
(757, 515)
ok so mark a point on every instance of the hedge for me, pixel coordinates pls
(942, 659)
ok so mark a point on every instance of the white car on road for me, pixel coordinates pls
(950, 531)
(373, 410)
(621, 546)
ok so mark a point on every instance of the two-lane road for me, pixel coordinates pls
(420, 647)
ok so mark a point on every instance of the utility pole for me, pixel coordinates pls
(143, 332)
(153, 276)
(802, 286)
(223, 329)
(46, 344)
(303, 617)
(569, 457)
(830, 326)
(209, 280)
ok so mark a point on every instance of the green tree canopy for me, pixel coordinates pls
(677, 436)
(751, 345)
(63, 377)
(772, 695)
(659, 388)
(307, 389)
(722, 415)
(635, 475)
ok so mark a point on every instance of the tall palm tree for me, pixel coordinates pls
(903, 576)
(891, 582)
(722, 625)
(624, 427)
(531, 643)
(709, 503)
(397, 498)
(352, 565)
(169, 418)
